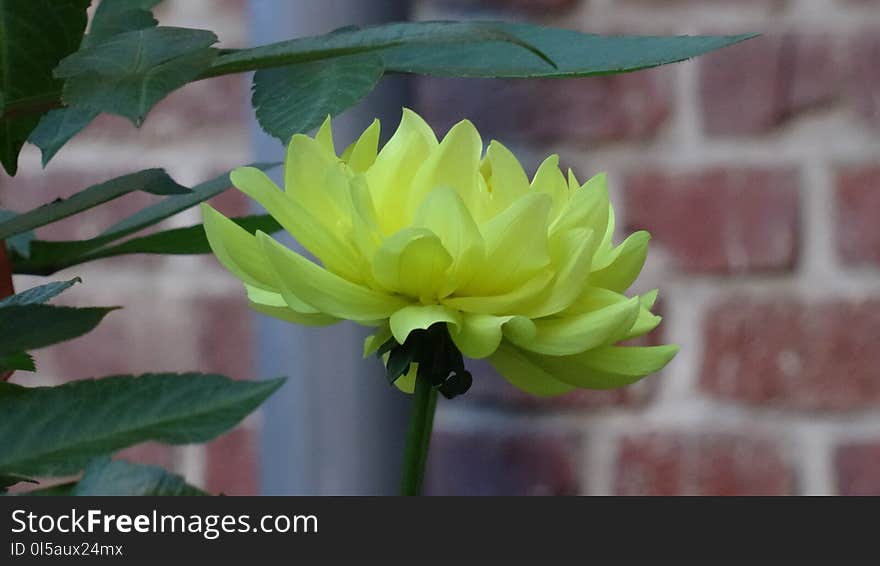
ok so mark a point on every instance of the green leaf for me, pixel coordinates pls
(297, 98)
(57, 128)
(27, 327)
(575, 54)
(40, 294)
(111, 18)
(17, 361)
(106, 477)
(181, 241)
(21, 243)
(34, 36)
(351, 40)
(58, 430)
(128, 73)
(154, 181)
(119, 16)
(47, 257)
(480, 49)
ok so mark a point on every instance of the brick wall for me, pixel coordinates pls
(757, 169)
(181, 313)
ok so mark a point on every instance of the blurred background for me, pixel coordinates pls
(757, 169)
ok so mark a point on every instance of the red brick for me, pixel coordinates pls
(759, 84)
(700, 464)
(858, 468)
(232, 464)
(725, 220)
(151, 453)
(588, 110)
(225, 336)
(790, 354)
(865, 79)
(858, 203)
(487, 463)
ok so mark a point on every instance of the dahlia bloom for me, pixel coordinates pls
(521, 272)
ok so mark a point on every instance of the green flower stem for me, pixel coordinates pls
(418, 437)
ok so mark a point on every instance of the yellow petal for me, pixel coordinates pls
(325, 136)
(275, 305)
(479, 335)
(516, 246)
(237, 249)
(507, 303)
(363, 151)
(549, 179)
(391, 175)
(336, 254)
(646, 321)
(607, 367)
(420, 317)
(524, 374)
(454, 165)
(573, 334)
(412, 262)
(505, 177)
(407, 381)
(445, 214)
(586, 208)
(573, 258)
(625, 264)
(324, 290)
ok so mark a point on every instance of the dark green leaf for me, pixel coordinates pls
(40, 294)
(154, 181)
(47, 257)
(297, 98)
(575, 54)
(106, 477)
(111, 18)
(181, 241)
(57, 128)
(128, 73)
(480, 49)
(19, 244)
(351, 40)
(28, 327)
(119, 16)
(17, 361)
(58, 430)
(34, 36)
(399, 361)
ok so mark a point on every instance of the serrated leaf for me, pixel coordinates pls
(106, 477)
(128, 73)
(296, 98)
(17, 361)
(58, 430)
(111, 18)
(28, 327)
(35, 36)
(40, 294)
(154, 181)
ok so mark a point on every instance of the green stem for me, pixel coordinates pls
(418, 437)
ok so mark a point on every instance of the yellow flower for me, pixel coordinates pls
(423, 232)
